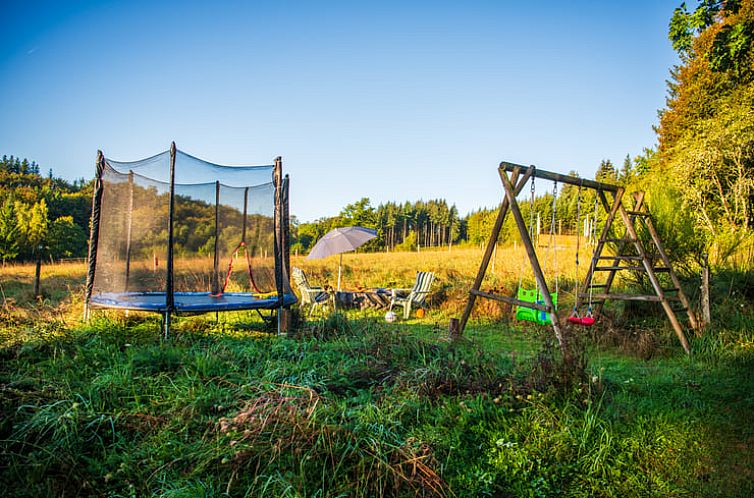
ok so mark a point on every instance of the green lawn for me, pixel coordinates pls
(363, 408)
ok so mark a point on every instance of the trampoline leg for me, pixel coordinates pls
(280, 317)
(166, 323)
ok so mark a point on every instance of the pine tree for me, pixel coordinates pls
(606, 172)
(9, 246)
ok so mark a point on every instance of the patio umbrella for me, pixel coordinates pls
(340, 240)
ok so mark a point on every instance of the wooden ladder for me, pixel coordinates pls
(633, 254)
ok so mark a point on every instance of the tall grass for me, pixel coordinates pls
(351, 406)
(363, 409)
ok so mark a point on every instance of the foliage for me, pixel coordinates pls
(9, 233)
(41, 211)
(65, 238)
(32, 225)
(706, 134)
(606, 172)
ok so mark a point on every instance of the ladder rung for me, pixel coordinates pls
(671, 289)
(637, 213)
(616, 268)
(627, 258)
(598, 286)
(625, 297)
(661, 269)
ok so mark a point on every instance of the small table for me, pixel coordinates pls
(363, 299)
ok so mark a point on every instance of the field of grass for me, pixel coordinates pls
(348, 405)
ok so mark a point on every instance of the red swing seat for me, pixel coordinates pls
(586, 321)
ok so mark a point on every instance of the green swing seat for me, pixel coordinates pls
(532, 315)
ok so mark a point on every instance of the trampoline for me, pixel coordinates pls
(189, 302)
(173, 233)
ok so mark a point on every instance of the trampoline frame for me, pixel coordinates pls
(203, 301)
(188, 302)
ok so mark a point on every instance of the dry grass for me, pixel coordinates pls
(457, 265)
(455, 270)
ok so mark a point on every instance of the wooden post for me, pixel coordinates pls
(454, 329)
(536, 268)
(38, 272)
(706, 314)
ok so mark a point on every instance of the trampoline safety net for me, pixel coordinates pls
(224, 231)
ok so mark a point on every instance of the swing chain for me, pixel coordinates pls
(553, 241)
(531, 208)
(531, 232)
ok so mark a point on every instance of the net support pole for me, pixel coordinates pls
(169, 298)
(94, 230)
(286, 229)
(278, 238)
(129, 223)
(216, 263)
(245, 214)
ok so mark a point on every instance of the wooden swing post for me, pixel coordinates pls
(534, 260)
(491, 243)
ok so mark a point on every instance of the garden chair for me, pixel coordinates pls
(415, 296)
(312, 296)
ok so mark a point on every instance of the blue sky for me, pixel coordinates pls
(386, 100)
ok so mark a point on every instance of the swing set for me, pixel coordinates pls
(631, 253)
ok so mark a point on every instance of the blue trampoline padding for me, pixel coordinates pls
(188, 301)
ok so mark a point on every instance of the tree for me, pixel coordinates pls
(627, 171)
(9, 233)
(360, 213)
(65, 238)
(606, 172)
(32, 225)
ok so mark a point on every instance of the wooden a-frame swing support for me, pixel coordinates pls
(643, 257)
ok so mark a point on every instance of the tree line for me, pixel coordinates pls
(399, 226)
(411, 226)
(41, 216)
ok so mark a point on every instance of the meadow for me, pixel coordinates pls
(348, 405)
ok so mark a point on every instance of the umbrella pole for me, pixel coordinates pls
(340, 264)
